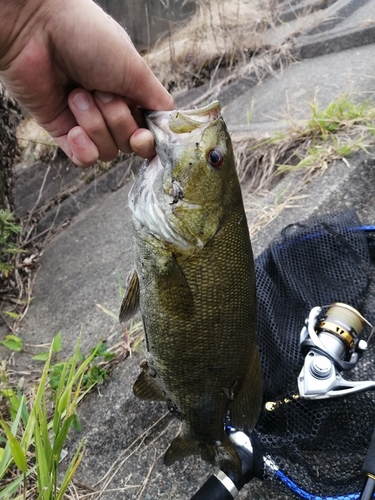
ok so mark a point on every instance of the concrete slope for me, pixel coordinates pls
(80, 267)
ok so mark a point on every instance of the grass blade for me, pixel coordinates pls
(43, 470)
(7, 454)
(9, 491)
(70, 471)
(18, 455)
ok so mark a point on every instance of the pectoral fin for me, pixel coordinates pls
(177, 289)
(130, 304)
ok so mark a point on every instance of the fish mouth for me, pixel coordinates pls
(170, 128)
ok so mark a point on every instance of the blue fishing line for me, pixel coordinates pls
(363, 228)
(289, 483)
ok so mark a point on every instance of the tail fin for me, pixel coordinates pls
(221, 453)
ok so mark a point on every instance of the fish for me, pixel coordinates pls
(194, 285)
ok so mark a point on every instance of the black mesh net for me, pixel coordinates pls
(319, 444)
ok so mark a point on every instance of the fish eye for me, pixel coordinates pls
(215, 158)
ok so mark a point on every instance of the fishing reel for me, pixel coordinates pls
(331, 344)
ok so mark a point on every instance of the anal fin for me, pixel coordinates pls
(222, 453)
(181, 447)
(146, 386)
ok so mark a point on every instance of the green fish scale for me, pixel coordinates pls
(199, 319)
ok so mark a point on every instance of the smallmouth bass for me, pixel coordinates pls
(194, 285)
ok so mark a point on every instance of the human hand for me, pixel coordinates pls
(77, 72)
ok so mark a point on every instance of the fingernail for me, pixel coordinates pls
(104, 97)
(78, 137)
(81, 101)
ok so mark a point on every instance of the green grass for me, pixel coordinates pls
(333, 132)
(34, 434)
(339, 114)
(34, 424)
(9, 228)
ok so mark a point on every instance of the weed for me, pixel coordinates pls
(339, 114)
(33, 439)
(9, 228)
(34, 432)
(332, 133)
(219, 38)
(12, 342)
(95, 373)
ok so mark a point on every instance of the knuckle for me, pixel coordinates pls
(96, 127)
(118, 119)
